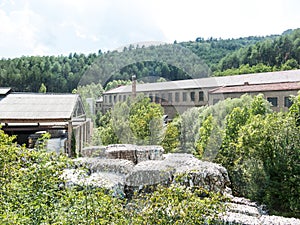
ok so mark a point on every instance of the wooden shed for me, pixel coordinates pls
(25, 113)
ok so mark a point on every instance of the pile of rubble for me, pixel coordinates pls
(136, 167)
(127, 168)
(241, 211)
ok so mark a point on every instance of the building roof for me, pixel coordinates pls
(37, 107)
(212, 82)
(4, 90)
(286, 86)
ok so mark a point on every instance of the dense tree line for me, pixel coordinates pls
(281, 53)
(58, 73)
(212, 50)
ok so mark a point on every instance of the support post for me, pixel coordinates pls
(70, 130)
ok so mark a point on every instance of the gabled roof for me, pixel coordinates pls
(212, 82)
(38, 107)
(287, 86)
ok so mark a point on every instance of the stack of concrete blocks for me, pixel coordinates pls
(149, 152)
(121, 151)
(134, 153)
(93, 151)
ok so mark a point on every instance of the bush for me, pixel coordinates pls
(177, 205)
(34, 192)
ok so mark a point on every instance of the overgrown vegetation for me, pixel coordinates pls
(259, 148)
(34, 192)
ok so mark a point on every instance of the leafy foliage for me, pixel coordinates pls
(34, 192)
(171, 142)
(274, 143)
(59, 74)
(136, 121)
(178, 205)
(146, 121)
(281, 53)
(260, 150)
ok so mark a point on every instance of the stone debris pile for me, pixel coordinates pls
(127, 168)
(241, 211)
(138, 167)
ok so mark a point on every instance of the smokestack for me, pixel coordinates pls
(133, 94)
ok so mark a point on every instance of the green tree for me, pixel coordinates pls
(146, 121)
(273, 142)
(294, 110)
(105, 133)
(208, 144)
(43, 88)
(136, 121)
(170, 142)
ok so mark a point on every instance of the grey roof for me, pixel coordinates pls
(212, 82)
(20, 106)
(4, 90)
(286, 86)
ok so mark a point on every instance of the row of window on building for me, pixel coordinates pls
(274, 101)
(170, 97)
(178, 97)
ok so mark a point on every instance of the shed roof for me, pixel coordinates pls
(211, 82)
(37, 107)
(286, 86)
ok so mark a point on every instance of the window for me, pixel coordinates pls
(170, 97)
(176, 96)
(115, 98)
(273, 101)
(287, 102)
(105, 99)
(201, 96)
(124, 98)
(120, 98)
(151, 97)
(192, 96)
(163, 97)
(184, 96)
(110, 99)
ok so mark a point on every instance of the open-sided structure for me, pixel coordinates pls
(25, 113)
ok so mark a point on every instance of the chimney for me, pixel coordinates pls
(133, 94)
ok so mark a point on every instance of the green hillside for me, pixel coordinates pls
(223, 57)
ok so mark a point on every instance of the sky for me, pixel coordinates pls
(60, 27)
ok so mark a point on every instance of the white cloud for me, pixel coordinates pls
(62, 26)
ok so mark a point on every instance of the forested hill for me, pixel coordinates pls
(223, 56)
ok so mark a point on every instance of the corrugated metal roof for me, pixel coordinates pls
(4, 90)
(257, 88)
(211, 82)
(37, 106)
